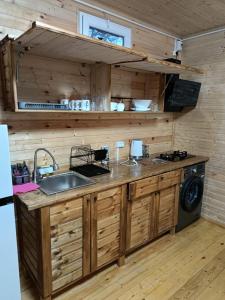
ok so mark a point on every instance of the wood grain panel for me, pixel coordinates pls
(140, 221)
(107, 207)
(180, 17)
(143, 187)
(169, 179)
(67, 232)
(166, 209)
(29, 235)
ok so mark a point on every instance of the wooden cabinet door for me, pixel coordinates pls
(107, 226)
(140, 221)
(167, 208)
(70, 241)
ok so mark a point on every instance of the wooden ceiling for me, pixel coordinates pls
(179, 17)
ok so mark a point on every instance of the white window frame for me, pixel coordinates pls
(87, 21)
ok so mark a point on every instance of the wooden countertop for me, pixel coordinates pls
(120, 174)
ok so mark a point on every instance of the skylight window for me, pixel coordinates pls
(105, 30)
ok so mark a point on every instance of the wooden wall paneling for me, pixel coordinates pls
(201, 131)
(43, 79)
(65, 134)
(127, 84)
(58, 132)
(21, 14)
(140, 85)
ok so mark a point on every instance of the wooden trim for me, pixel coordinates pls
(86, 234)
(14, 79)
(152, 217)
(161, 94)
(156, 213)
(45, 268)
(176, 204)
(132, 190)
(123, 210)
(93, 232)
(128, 220)
(19, 228)
(8, 75)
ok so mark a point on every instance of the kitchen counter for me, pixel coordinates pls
(120, 174)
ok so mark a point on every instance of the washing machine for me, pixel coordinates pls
(191, 193)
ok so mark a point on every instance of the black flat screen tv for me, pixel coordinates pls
(183, 93)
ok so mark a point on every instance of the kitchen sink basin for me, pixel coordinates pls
(63, 182)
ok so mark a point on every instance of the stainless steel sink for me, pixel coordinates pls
(63, 182)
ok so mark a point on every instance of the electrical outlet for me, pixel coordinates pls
(120, 144)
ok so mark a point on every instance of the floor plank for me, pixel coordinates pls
(189, 265)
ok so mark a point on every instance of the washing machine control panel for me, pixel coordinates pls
(197, 170)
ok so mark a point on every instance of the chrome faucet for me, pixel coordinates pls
(55, 165)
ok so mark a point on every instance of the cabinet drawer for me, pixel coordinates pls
(169, 179)
(143, 187)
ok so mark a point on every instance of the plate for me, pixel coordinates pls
(138, 109)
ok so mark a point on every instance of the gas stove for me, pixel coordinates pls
(175, 156)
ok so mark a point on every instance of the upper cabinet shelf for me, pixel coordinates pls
(52, 42)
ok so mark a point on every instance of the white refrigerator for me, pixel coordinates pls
(9, 269)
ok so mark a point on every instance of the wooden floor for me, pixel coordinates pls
(190, 265)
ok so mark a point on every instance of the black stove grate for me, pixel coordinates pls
(175, 156)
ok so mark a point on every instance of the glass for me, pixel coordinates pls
(106, 36)
(100, 103)
(93, 106)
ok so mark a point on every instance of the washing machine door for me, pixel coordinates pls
(191, 193)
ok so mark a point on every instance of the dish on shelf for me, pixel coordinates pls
(142, 104)
(140, 109)
(42, 106)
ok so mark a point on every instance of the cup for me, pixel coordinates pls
(113, 106)
(72, 104)
(78, 104)
(85, 105)
(64, 101)
(155, 107)
(93, 106)
(120, 107)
